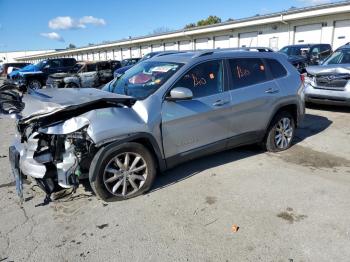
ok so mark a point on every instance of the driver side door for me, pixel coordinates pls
(199, 125)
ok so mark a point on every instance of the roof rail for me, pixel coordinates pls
(203, 53)
(252, 48)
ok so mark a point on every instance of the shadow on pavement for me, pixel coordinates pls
(192, 168)
(311, 125)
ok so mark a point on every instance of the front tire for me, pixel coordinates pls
(121, 172)
(34, 84)
(281, 132)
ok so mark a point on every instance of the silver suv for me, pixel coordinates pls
(329, 83)
(161, 112)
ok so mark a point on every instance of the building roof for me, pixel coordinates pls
(277, 17)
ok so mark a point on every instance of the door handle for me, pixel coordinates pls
(221, 102)
(271, 91)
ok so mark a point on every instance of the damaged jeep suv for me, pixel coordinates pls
(161, 112)
(329, 83)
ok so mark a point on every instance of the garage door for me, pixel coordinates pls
(185, 45)
(125, 53)
(90, 57)
(201, 44)
(156, 48)
(341, 33)
(135, 52)
(145, 50)
(117, 55)
(248, 39)
(222, 41)
(110, 55)
(103, 55)
(170, 46)
(308, 34)
(96, 56)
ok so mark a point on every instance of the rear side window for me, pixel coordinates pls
(91, 67)
(247, 71)
(277, 70)
(69, 62)
(104, 66)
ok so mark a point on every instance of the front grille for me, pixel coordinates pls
(332, 82)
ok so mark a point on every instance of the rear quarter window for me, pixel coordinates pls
(69, 62)
(276, 68)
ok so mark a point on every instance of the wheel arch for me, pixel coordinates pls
(145, 139)
(291, 108)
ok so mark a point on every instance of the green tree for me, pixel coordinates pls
(191, 25)
(71, 46)
(211, 20)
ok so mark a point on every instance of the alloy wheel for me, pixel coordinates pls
(125, 174)
(35, 85)
(284, 133)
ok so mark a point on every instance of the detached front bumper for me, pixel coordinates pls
(327, 96)
(26, 161)
(14, 157)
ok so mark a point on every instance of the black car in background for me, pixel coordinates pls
(306, 54)
(130, 61)
(123, 69)
(35, 76)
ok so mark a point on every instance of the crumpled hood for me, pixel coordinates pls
(329, 69)
(48, 102)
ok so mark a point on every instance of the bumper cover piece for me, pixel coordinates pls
(16, 172)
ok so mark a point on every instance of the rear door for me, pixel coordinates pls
(203, 120)
(253, 92)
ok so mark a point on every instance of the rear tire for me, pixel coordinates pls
(71, 85)
(281, 132)
(121, 172)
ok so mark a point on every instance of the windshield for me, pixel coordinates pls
(143, 79)
(295, 50)
(339, 57)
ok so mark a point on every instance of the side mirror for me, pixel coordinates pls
(180, 93)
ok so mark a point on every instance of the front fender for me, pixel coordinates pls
(141, 138)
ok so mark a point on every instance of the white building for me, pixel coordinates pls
(329, 23)
(11, 56)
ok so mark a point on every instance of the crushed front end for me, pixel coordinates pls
(328, 85)
(55, 160)
(53, 143)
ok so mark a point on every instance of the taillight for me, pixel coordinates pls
(302, 78)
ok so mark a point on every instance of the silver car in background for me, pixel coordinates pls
(160, 113)
(329, 83)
